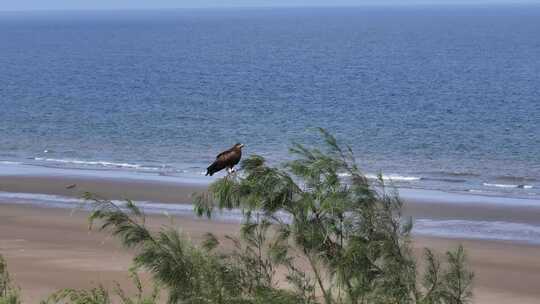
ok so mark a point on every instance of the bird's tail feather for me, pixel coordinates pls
(211, 169)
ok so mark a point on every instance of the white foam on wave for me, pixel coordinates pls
(507, 186)
(390, 177)
(94, 163)
(394, 177)
(5, 162)
(475, 191)
(492, 230)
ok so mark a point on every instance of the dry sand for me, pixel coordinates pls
(48, 249)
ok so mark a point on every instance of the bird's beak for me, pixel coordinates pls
(241, 145)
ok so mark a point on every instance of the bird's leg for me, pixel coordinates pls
(229, 170)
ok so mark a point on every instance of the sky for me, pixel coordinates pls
(11, 5)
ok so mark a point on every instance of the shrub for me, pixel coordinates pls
(100, 295)
(350, 232)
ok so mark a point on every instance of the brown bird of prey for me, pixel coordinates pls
(226, 159)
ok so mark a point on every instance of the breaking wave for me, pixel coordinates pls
(5, 162)
(520, 186)
(391, 177)
(104, 164)
(395, 177)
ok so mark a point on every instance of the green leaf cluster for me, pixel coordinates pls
(100, 295)
(188, 273)
(8, 293)
(349, 231)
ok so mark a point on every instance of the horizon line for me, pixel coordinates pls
(318, 6)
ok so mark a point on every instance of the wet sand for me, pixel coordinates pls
(113, 188)
(435, 205)
(48, 249)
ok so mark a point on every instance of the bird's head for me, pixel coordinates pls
(238, 146)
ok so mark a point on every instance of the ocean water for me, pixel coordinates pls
(437, 98)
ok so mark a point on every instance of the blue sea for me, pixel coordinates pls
(444, 98)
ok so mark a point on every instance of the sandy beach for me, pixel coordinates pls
(48, 249)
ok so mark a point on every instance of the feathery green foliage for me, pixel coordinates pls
(189, 273)
(97, 295)
(351, 233)
(100, 295)
(8, 293)
(458, 280)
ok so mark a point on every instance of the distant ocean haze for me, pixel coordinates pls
(436, 98)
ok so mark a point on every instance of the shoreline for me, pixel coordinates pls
(451, 183)
(47, 249)
(436, 213)
(419, 203)
(52, 180)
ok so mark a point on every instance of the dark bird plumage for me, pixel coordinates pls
(226, 159)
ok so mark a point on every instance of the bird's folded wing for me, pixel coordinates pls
(224, 153)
